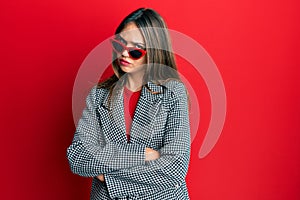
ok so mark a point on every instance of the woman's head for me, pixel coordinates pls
(130, 50)
(145, 29)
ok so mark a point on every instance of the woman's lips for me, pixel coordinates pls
(124, 62)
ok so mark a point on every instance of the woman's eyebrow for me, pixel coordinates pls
(126, 42)
(121, 39)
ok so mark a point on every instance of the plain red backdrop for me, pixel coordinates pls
(255, 45)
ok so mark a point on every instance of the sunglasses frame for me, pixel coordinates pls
(128, 49)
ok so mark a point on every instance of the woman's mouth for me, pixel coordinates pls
(124, 62)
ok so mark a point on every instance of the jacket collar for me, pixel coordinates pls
(150, 92)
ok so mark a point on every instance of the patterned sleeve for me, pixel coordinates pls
(89, 155)
(171, 168)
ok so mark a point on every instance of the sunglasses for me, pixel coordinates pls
(134, 53)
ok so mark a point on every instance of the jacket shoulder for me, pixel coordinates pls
(98, 94)
(175, 88)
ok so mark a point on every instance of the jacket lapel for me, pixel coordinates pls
(145, 113)
(112, 115)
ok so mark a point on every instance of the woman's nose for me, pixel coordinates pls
(125, 53)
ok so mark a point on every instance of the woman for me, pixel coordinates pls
(133, 137)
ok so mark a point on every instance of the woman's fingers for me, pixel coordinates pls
(101, 177)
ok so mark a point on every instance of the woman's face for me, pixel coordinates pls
(131, 37)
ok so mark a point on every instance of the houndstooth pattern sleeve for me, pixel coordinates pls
(89, 154)
(169, 171)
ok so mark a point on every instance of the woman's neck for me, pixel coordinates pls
(134, 82)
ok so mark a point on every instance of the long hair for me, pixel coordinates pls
(158, 46)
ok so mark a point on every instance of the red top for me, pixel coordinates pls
(130, 103)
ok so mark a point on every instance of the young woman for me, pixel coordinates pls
(133, 137)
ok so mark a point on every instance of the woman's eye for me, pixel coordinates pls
(139, 46)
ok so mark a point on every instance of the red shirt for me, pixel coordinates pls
(130, 103)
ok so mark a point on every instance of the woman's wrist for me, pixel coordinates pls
(151, 154)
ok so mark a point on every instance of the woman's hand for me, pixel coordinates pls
(101, 177)
(151, 154)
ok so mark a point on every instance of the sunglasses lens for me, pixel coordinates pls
(135, 54)
(118, 47)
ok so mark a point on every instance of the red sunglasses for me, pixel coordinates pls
(134, 53)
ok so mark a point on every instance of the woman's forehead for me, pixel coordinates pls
(131, 33)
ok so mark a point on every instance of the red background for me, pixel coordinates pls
(255, 45)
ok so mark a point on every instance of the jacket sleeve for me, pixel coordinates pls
(171, 168)
(90, 155)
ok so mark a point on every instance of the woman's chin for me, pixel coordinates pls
(125, 69)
